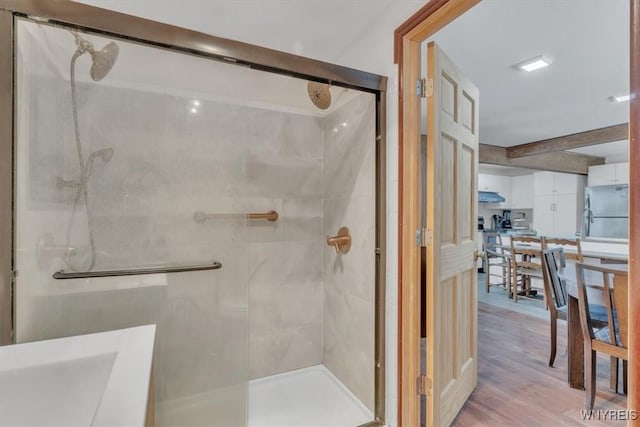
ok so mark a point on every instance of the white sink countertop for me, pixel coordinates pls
(98, 379)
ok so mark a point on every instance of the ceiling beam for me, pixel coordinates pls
(568, 142)
(556, 162)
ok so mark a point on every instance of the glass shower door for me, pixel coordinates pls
(128, 159)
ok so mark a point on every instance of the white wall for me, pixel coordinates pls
(374, 53)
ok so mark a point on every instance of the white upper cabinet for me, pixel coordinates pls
(557, 183)
(496, 183)
(543, 183)
(609, 174)
(517, 190)
(522, 192)
(558, 202)
(499, 184)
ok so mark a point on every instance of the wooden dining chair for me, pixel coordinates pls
(572, 248)
(556, 296)
(610, 339)
(496, 258)
(526, 264)
(555, 292)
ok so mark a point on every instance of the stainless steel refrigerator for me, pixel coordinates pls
(606, 211)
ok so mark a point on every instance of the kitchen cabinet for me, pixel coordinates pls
(499, 184)
(609, 174)
(558, 203)
(521, 191)
(543, 214)
(557, 183)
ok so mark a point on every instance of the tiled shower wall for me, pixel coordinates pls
(349, 170)
(284, 173)
(307, 305)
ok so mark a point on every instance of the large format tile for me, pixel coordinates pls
(349, 151)
(349, 342)
(283, 176)
(285, 307)
(285, 262)
(286, 350)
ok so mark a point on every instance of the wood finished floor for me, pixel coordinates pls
(516, 387)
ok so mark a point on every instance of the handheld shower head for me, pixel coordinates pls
(102, 60)
(105, 154)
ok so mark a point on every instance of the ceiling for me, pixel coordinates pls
(587, 41)
(319, 29)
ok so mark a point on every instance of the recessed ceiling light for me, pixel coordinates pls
(194, 110)
(196, 103)
(534, 63)
(619, 98)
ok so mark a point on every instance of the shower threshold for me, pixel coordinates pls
(309, 397)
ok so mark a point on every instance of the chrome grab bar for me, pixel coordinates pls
(201, 217)
(61, 274)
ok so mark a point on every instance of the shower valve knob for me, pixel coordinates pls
(341, 242)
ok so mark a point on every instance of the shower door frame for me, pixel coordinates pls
(180, 40)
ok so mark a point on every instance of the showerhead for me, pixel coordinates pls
(319, 94)
(102, 60)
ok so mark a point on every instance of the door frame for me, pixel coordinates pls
(408, 37)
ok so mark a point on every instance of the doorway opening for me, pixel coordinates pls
(417, 30)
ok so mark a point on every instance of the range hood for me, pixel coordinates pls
(489, 197)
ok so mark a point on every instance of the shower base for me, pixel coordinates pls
(309, 397)
(304, 398)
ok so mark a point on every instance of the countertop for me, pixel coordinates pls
(98, 379)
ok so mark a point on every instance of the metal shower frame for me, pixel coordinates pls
(104, 22)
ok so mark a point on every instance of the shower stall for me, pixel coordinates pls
(230, 194)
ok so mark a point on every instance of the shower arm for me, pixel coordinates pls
(82, 44)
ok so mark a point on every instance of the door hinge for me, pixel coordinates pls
(424, 237)
(14, 274)
(424, 87)
(423, 385)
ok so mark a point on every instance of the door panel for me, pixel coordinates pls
(543, 215)
(466, 192)
(609, 227)
(565, 215)
(448, 162)
(451, 312)
(609, 200)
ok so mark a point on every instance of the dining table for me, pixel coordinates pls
(575, 340)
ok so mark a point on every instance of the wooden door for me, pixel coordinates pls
(451, 207)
